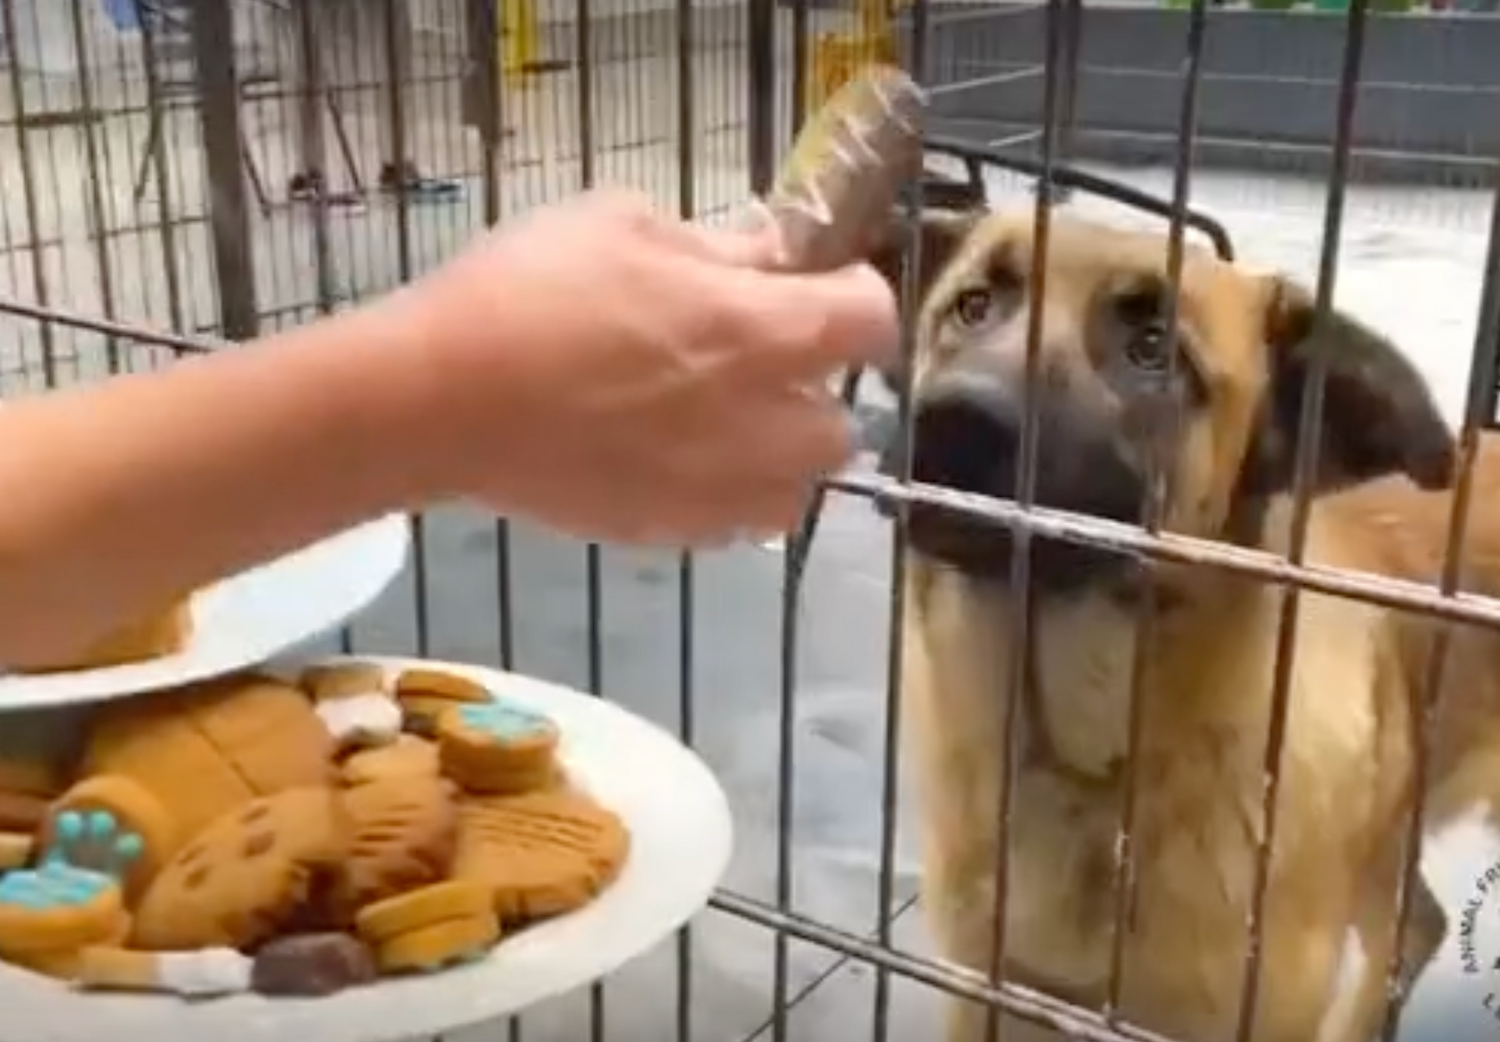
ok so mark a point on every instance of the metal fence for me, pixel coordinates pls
(147, 154)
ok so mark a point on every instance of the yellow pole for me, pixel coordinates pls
(517, 26)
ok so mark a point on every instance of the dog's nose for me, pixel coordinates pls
(967, 431)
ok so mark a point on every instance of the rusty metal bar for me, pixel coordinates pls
(1025, 494)
(98, 219)
(1154, 507)
(215, 70)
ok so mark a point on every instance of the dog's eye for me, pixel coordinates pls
(973, 307)
(1147, 348)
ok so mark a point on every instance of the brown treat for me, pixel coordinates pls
(342, 679)
(402, 833)
(163, 633)
(311, 964)
(415, 909)
(497, 748)
(16, 849)
(407, 757)
(208, 749)
(252, 871)
(427, 929)
(440, 945)
(134, 810)
(845, 169)
(439, 685)
(425, 694)
(541, 854)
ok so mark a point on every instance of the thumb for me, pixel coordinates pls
(824, 321)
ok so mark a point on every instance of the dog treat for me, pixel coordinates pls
(370, 719)
(193, 974)
(424, 694)
(540, 854)
(55, 909)
(311, 965)
(497, 748)
(450, 899)
(343, 680)
(16, 850)
(149, 637)
(115, 826)
(402, 834)
(247, 875)
(206, 750)
(407, 757)
(845, 170)
(440, 945)
(427, 929)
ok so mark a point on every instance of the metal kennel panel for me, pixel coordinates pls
(184, 239)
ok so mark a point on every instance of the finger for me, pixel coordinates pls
(747, 507)
(756, 243)
(801, 327)
(802, 439)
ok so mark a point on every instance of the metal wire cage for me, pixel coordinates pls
(188, 124)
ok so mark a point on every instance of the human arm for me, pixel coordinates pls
(118, 496)
(596, 367)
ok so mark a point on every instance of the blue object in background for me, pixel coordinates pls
(125, 14)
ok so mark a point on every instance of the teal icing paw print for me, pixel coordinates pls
(94, 841)
(53, 885)
(506, 720)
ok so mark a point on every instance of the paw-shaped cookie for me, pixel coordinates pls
(497, 748)
(112, 825)
(50, 912)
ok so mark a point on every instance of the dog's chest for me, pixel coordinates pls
(1198, 791)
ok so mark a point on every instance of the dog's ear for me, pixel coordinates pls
(940, 234)
(1379, 416)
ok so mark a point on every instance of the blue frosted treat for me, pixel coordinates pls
(498, 747)
(58, 907)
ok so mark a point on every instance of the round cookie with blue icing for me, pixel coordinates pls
(56, 909)
(498, 748)
(113, 825)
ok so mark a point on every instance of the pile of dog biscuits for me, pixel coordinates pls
(254, 834)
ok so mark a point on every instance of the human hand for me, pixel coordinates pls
(626, 376)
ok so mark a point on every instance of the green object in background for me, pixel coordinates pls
(1273, 5)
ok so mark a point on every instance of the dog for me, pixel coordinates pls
(1246, 344)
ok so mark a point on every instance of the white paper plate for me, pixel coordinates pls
(680, 844)
(257, 615)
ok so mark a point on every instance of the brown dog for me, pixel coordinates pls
(1246, 342)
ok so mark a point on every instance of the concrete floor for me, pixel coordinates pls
(1411, 265)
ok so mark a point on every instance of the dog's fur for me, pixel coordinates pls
(1384, 478)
